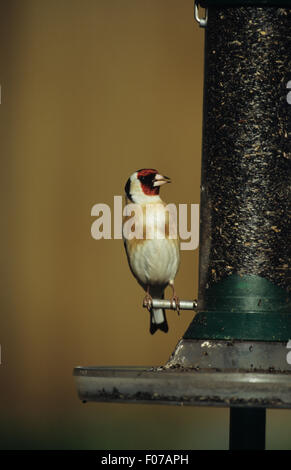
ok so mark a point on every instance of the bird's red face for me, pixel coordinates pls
(151, 181)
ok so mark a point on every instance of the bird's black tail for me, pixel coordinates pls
(158, 319)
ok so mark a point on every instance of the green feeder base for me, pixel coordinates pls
(246, 307)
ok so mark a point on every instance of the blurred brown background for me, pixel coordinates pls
(92, 90)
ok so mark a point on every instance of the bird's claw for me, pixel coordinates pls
(147, 301)
(175, 302)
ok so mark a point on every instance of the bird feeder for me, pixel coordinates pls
(234, 353)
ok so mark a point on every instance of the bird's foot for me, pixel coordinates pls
(147, 301)
(175, 302)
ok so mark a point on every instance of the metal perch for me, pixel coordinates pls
(171, 305)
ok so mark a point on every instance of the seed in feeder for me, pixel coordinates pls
(275, 228)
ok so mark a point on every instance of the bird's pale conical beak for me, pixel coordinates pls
(160, 180)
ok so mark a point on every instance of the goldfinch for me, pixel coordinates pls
(153, 251)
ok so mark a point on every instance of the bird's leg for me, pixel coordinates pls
(147, 301)
(175, 298)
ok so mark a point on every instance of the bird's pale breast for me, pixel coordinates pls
(154, 260)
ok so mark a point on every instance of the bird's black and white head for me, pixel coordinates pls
(143, 186)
